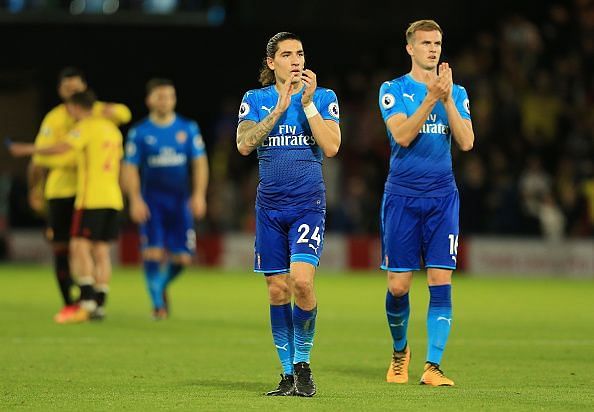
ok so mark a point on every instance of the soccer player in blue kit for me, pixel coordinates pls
(422, 110)
(164, 195)
(291, 123)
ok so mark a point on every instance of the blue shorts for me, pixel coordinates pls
(170, 225)
(419, 227)
(286, 236)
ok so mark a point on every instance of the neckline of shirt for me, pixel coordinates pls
(163, 126)
(412, 79)
(299, 93)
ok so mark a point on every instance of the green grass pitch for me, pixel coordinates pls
(516, 344)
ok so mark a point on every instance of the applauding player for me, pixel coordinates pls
(291, 123)
(423, 110)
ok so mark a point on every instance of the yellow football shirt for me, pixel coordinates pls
(61, 179)
(98, 146)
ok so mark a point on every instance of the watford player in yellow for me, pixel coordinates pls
(58, 174)
(96, 144)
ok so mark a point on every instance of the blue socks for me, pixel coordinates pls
(155, 282)
(439, 321)
(398, 311)
(281, 321)
(158, 280)
(304, 322)
(293, 330)
(173, 270)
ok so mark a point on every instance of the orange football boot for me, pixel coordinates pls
(434, 376)
(398, 370)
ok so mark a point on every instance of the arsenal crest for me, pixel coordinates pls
(181, 137)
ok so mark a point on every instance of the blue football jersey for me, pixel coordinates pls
(424, 168)
(290, 161)
(164, 154)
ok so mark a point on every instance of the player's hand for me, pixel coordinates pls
(36, 200)
(445, 75)
(108, 111)
(311, 83)
(437, 87)
(284, 97)
(21, 149)
(139, 211)
(198, 206)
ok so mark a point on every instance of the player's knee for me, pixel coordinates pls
(183, 259)
(279, 292)
(75, 247)
(439, 276)
(303, 286)
(398, 289)
(101, 251)
(153, 254)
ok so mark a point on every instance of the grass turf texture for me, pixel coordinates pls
(515, 345)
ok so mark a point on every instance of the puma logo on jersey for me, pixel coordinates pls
(410, 96)
(313, 247)
(269, 110)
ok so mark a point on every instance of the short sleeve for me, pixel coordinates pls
(390, 100)
(329, 109)
(197, 144)
(133, 148)
(76, 138)
(462, 103)
(45, 137)
(248, 108)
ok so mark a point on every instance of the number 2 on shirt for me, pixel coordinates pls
(304, 231)
(110, 150)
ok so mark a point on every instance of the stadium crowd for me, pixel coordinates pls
(531, 172)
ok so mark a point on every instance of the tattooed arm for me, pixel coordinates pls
(250, 134)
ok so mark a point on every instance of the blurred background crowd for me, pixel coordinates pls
(529, 73)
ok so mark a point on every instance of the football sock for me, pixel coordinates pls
(398, 311)
(173, 270)
(281, 321)
(101, 294)
(154, 282)
(304, 322)
(439, 321)
(63, 276)
(87, 294)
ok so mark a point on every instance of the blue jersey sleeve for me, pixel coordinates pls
(328, 107)
(133, 148)
(390, 100)
(197, 144)
(248, 110)
(462, 102)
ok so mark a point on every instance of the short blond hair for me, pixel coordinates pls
(421, 25)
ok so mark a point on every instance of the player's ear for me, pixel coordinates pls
(270, 63)
(409, 49)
